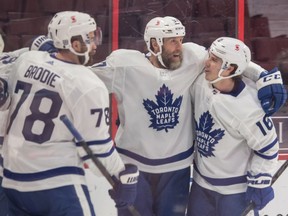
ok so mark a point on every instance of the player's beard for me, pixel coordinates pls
(169, 60)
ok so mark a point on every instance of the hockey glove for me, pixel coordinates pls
(4, 95)
(43, 43)
(125, 189)
(259, 190)
(271, 91)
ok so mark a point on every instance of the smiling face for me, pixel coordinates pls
(172, 52)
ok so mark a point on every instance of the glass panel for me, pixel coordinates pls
(267, 32)
(205, 20)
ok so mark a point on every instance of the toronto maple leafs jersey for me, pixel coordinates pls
(154, 106)
(233, 136)
(6, 61)
(39, 151)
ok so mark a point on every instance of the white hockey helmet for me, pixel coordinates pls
(231, 51)
(65, 25)
(162, 27)
(1, 44)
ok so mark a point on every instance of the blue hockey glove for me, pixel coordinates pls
(259, 190)
(125, 189)
(260, 196)
(4, 95)
(271, 91)
(43, 43)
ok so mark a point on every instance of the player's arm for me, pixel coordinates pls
(92, 118)
(105, 72)
(262, 139)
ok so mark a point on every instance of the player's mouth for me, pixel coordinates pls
(176, 56)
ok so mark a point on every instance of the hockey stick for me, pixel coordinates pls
(96, 161)
(274, 178)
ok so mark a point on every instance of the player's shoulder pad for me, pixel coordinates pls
(194, 52)
(125, 53)
(125, 57)
(194, 48)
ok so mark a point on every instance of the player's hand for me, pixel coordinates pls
(4, 95)
(259, 190)
(271, 91)
(125, 189)
(260, 196)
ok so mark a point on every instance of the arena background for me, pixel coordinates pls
(262, 24)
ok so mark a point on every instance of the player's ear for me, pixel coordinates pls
(154, 45)
(76, 45)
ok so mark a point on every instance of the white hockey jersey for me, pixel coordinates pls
(6, 61)
(154, 106)
(233, 136)
(39, 151)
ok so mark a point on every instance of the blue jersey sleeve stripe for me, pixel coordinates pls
(271, 145)
(102, 155)
(267, 157)
(26, 177)
(96, 142)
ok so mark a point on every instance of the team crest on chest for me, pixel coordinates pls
(206, 137)
(164, 113)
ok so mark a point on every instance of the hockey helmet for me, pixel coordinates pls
(162, 27)
(231, 51)
(65, 25)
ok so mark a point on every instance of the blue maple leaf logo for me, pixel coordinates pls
(164, 114)
(206, 138)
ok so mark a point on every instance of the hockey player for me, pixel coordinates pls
(7, 59)
(4, 104)
(154, 106)
(43, 172)
(236, 146)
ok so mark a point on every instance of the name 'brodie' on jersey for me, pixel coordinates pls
(41, 74)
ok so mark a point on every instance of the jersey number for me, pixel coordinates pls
(43, 118)
(100, 114)
(267, 124)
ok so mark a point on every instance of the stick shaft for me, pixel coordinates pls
(89, 152)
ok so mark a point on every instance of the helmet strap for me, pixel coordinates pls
(220, 77)
(85, 54)
(161, 61)
(158, 54)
